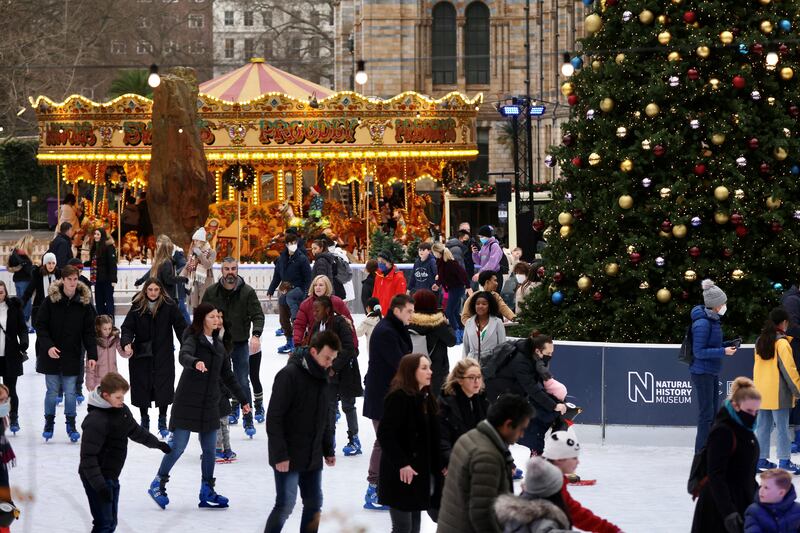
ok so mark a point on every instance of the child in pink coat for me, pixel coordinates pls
(107, 349)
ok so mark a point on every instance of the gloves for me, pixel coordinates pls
(734, 523)
(104, 493)
(164, 447)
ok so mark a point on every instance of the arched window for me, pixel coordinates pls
(443, 41)
(476, 44)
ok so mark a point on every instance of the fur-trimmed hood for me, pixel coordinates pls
(55, 292)
(510, 509)
(105, 343)
(428, 321)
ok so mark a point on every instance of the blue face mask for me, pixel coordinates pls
(384, 267)
(5, 409)
(484, 240)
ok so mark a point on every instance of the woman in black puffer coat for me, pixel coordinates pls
(429, 322)
(732, 455)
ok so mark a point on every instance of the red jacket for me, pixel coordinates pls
(387, 287)
(582, 518)
(305, 318)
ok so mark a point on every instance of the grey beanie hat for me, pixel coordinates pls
(542, 478)
(712, 295)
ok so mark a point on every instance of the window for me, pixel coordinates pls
(443, 41)
(315, 19)
(267, 16)
(119, 47)
(171, 48)
(295, 44)
(169, 21)
(248, 18)
(196, 21)
(479, 168)
(229, 48)
(314, 47)
(249, 49)
(143, 23)
(228, 18)
(267, 49)
(197, 48)
(144, 47)
(476, 44)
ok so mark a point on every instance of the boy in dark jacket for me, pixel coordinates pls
(424, 274)
(775, 508)
(106, 430)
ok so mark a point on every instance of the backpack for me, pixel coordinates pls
(698, 473)
(686, 353)
(497, 359)
(419, 343)
(503, 265)
(341, 269)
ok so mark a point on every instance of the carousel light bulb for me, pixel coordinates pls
(154, 80)
(361, 74)
(567, 69)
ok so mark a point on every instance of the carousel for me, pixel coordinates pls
(282, 152)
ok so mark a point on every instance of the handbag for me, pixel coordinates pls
(143, 350)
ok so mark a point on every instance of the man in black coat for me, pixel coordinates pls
(61, 245)
(293, 269)
(299, 433)
(106, 429)
(65, 323)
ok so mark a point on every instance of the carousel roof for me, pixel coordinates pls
(258, 78)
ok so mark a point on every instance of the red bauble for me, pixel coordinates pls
(753, 144)
(576, 161)
(765, 169)
(693, 74)
(776, 227)
(783, 49)
(690, 17)
(659, 150)
(699, 169)
(694, 251)
(794, 111)
(635, 257)
(597, 296)
(741, 231)
(666, 226)
(611, 3)
(577, 213)
(757, 49)
(568, 139)
(685, 295)
(739, 82)
(558, 277)
(538, 224)
(572, 99)
(727, 252)
(736, 219)
(540, 272)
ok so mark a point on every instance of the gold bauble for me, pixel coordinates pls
(622, 131)
(567, 88)
(664, 234)
(596, 65)
(652, 109)
(739, 194)
(721, 193)
(646, 144)
(726, 37)
(606, 105)
(593, 23)
(664, 37)
(626, 166)
(703, 51)
(620, 58)
(584, 283)
(594, 158)
(714, 82)
(780, 153)
(773, 203)
(737, 275)
(766, 26)
(663, 296)
(565, 218)
(631, 248)
(663, 19)
(644, 285)
(787, 73)
(646, 17)
(612, 269)
(720, 217)
(665, 192)
(690, 275)
(718, 138)
(674, 56)
(679, 230)
(565, 231)
(625, 201)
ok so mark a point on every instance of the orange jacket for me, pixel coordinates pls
(387, 287)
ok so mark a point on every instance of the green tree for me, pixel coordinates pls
(679, 163)
(130, 81)
(21, 177)
(379, 241)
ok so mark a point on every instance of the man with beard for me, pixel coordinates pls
(241, 309)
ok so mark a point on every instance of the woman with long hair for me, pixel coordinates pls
(301, 329)
(484, 330)
(527, 279)
(777, 379)
(196, 409)
(103, 271)
(21, 265)
(13, 345)
(453, 278)
(200, 267)
(412, 468)
(429, 323)
(41, 279)
(163, 267)
(147, 341)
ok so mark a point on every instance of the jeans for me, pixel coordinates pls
(104, 298)
(241, 366)
(293, 299)
(286, 484)
(348, 406)
(104, 513)
(454, 304)
(705, 393)
(56, 385)
(374, 471)
(178, 442)
(405, 521)
(20, 287)
(780, 417)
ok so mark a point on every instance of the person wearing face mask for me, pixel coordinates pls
(731, 455)
(490, 255)
(389, 281)
(526, 283)
(293, 272)
(708, 352)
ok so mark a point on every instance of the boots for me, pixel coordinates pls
(233, 418)
(72, 430)
(49, 425)
(287, 348)
(162, 427)
(371, 499)
(259, 402)
(247, 422)
(158, 491)
(209, 498)
(353, 446)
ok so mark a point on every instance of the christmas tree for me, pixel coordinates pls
(680, 162)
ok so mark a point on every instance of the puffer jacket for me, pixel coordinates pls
(781, 517)
(777, 378)
(107, 350)
(706, 341)
(518, 514)
(305, 318)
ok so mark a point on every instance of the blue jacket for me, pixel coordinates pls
(706, 341)
(295, 269)
(424, 274)
(781, 517)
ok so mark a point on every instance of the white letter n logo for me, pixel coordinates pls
(641, 388)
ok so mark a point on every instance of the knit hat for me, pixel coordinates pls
(542, 478)
(561, 445)
(386, 255)
(199, 235)
(49, 257)
(712, 295)
(486, 231)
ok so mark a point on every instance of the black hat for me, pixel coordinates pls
(386, 255)
(486, 231)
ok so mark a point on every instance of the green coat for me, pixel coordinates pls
(479, 471)
(240, 307)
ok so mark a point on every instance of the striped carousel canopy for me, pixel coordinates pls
(257, 78)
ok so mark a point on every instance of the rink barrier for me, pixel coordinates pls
(636, 384)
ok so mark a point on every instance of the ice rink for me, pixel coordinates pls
(640, 487)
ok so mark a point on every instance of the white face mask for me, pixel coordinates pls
(292, 248)
(520, 278)
(723, 309)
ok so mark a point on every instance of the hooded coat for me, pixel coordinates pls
(518, 514)
(67, 324)
(423, 275)
(388, 344)
(777, 378)
(387, 287)
(107, 350)
(439, 336)
(781, 517)
(489, 256)
(706, 341)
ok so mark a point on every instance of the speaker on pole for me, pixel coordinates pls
(503, 190)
